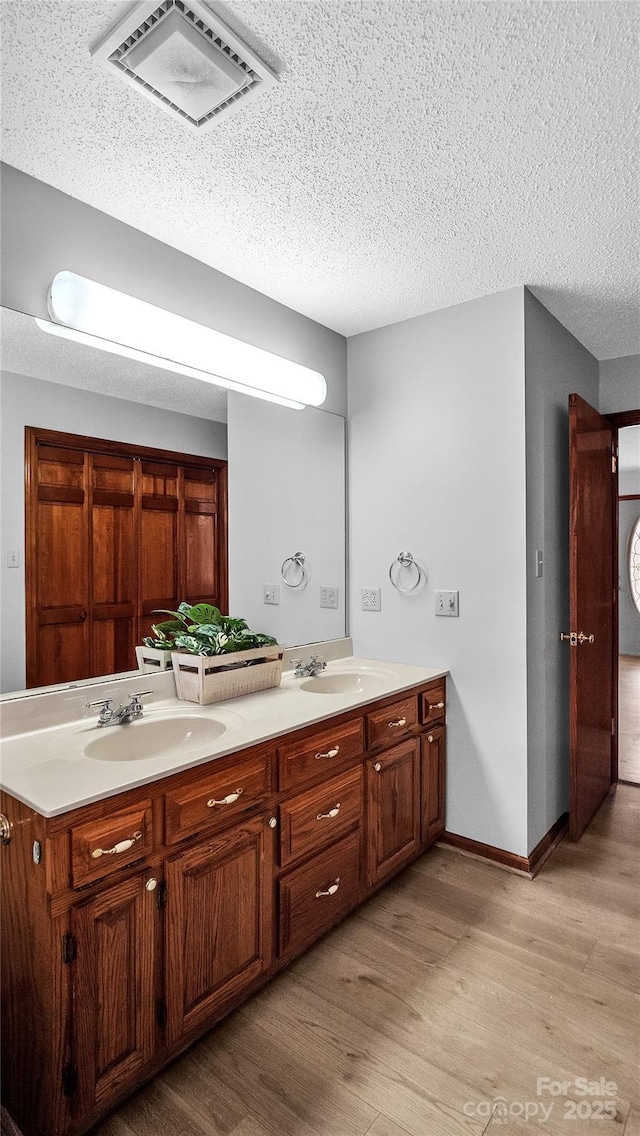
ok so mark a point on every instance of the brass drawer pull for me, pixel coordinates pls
(332, 813)
(330, 753)
(429, 737)
(225, 800)
(436, 706)
(121, 846)
(378, 766)
(331, 890)
(398, 722)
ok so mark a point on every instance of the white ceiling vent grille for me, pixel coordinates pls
(184, 58)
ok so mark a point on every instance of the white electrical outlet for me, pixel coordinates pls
(272, 593)
(13, 558)
(447, 603)
(328, 597)
(371, 599)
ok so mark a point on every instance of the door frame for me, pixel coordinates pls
(617, 420)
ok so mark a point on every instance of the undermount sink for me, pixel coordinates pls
(149, 737)
(346, 682)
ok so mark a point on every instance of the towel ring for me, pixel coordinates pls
(298, 560)
(405, 560)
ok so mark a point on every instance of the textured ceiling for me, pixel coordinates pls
(414, 154)
(28, 351)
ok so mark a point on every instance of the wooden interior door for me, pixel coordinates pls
(159, 582)
(218, 923)
(112, 567)
(57, 579)
(114, 532)
(203, 492)
(593, 607)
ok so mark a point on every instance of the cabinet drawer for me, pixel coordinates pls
(314, 897)
(319, 816)
(384, 727)
(312, 756)
(434, 703)
(102, 846)
(216, 797)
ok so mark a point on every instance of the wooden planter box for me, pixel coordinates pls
(152, 660)
(213, 678)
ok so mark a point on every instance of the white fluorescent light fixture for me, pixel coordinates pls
(102, 317)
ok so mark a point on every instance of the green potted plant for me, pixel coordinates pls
(216, 656)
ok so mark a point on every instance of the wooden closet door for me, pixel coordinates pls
(204, 563)
(57, 579)
(114, 533)
(112, 572)
(159, 542)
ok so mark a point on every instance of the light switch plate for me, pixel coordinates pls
(272, 593)
(447, 603)
(13, 558)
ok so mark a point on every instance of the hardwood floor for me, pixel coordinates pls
(629, 719)
(434, 1009)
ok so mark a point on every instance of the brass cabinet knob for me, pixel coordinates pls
(378, 766)
(5, 829)
(151, 884)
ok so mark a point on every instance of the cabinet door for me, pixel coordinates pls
(393, 821)
(219, 923)
(113, 980)
(433, 780)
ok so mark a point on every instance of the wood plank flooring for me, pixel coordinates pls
(629, 719)
(435, 1008)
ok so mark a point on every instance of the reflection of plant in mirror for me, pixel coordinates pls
(203, 630)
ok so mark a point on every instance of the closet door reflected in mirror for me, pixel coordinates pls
(114, 532)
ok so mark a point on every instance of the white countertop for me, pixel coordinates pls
(47, 768)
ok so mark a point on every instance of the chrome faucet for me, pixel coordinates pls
(123, 714)
(312, 666)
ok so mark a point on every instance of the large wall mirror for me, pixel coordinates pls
(286, 477)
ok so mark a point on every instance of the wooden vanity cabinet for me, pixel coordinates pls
(393, 806)
(432, 791)
(112, 952)
(208, 882)
(218, 925)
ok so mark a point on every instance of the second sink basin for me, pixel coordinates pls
(346, 682)
(149, 737)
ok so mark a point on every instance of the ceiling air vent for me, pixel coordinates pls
(185, 59)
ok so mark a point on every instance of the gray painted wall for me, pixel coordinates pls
(286, 494)
(620, 384)
(437, 466)
(33, 402)
(44, 231)
(556, 365)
